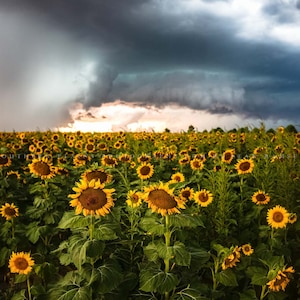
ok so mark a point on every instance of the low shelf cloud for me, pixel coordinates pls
(224, 60)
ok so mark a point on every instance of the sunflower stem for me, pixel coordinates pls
(91, 228)
(28, 288)
(167, 242)
(263, 294)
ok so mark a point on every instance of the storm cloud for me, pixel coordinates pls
(222, 57)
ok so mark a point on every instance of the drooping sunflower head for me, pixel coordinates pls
(244, 166)
(9, 211)
(42, 167)
(186, 193)
(177, 177)
(260, 198)
(97, 174)
(228, 156)
(13, 175)
(134, 198)
(281, 280)
(247, 249)
(20, 263)
(145, 170)
(184, 160)
(91, 198)
(232, 259)
(5, 161)
(277, 217)
(203, 197)
(161, 199)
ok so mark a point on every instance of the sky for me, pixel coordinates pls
(149, 64)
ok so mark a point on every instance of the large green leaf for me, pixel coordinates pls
(182, 256)
(190, 294)
(186, 220)
(155, 280)
(110, 275)
(105, 232)
(258, 275)
(227, 278)
(152, 225)
(69, 220)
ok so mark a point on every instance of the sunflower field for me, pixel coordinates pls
(145, 215)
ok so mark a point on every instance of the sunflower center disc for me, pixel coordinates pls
(42, 168)
(10, 211)
(92, 199)
(3, 160)
(278, 217)
(145, 170)
(245, 166)
(162, 199)
(21, 263)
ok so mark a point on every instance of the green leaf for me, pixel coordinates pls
(248, 295)
(77, 293)
(258, 275)
(19, 296)
(155, 280)
(186, 220)
(151, 252)
(227, 278)
(94, 248)
(200, 256)
(20, 278)
(182, 256)
(4, 255)
(69, 220)
(152, 225)
(110, 276)
(190, 294)
(105, 232)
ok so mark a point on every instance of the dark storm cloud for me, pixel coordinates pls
(155, 52)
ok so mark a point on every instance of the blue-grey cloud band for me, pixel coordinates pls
(206, 57)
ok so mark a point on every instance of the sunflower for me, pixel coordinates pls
(144, 158)
(196, 164)
(244, 166)
(89, 147)
(281, 279)
(277, 217)
(292, 218)
(109, 161)
(102, 146)
(134, 198)
(98, 174)
(81, 159)
(42, 167)
(91, 198)
(125, 158)
(13, 174)
(186, 193)
(9, 211)
(5, 161)
(184, 160)
(20, 263)
(247, 249)
(177, 177)
(212, 154)
(232, 259)
(259, 150)
(203, 197)
(228, 156)
(145, 170)
(260, 198)
(160, 199)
